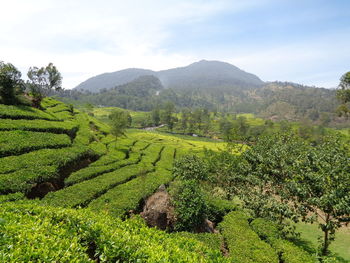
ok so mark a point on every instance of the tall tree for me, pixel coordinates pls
(322, 186)
(11, 83)
(119, 121)
(167, 115)
(42, 81)
(155, 114)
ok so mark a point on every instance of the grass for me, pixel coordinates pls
(340, 247)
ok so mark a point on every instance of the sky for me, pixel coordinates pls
(303, 41)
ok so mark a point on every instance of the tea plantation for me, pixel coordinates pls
(71, 192)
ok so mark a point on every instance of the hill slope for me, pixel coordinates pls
(110, 80)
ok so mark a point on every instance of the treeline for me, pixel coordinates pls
(275, 100)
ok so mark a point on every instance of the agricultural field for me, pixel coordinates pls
(63, 175)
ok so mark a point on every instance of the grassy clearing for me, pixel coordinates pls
(340, 247)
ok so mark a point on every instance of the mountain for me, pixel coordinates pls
(110, 80)
(199, 75)
(207, 74)
(137, 94)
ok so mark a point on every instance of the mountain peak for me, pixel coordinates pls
(200, 74)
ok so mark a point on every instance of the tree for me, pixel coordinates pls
(185, 115)
(167, 116)
(42, 81)
(11, 83)
(155, 116)
(343, 95)
(322, 186)
(119, 121)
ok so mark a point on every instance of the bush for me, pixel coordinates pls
(190, 206)
(218, 208)
(191, 167)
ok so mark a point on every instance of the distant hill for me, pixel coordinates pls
(207, 74)
(199, 75)
(110, 80)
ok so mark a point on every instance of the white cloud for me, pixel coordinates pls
(86, 38)
(91, 37)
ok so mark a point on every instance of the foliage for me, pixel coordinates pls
(18, 142)
(120, 120)
(23, 112)
(61, 235)
(243, 243)
(343, 95)
(69, 128)
(289, 253)
(190, 206)
(42, 81)
(11, 83)
(81, 194)
(322, 186)
(190, 167)
(211, 240)
(217, 208)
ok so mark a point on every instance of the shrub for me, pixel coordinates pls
(190, 206)
(191, 167)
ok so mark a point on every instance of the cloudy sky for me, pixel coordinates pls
(304, 41)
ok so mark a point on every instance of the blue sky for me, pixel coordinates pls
(307, 41)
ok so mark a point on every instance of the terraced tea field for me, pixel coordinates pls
(71, 190)
(68, 159)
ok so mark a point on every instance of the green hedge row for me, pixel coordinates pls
(125, 197)
(84, 135)
(98, 147)
(58, 107)
(153, 154)
(289, 253)
(82, 193)
(119, 200)
(48, 102)
(19, 142)
(166, 158)
(211, 240)
(67, 127)
(67, 235)
(243, 243)
(218, 208)
(114, 160)
(23, 180)
(64, 115)
(101, 126)
(23, 112)
(21, 173)
(94, 171)
(44, 157)
(11, 197)
(109, 158)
